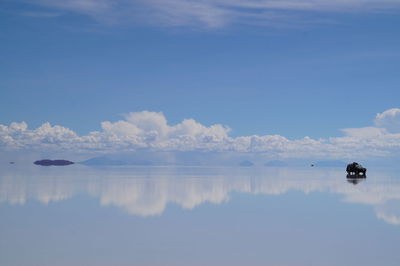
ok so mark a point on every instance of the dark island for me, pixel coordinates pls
(53, 162)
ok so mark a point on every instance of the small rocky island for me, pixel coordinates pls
(47, 162)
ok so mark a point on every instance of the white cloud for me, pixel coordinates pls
(151, 131)
(149, 122)
(365, 132)
(17, 135)
(390, 119)
(206, 13)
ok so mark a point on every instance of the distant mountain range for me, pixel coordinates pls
(246, 163)
(276, 163)
(331, 163)
(200, 159)
(110, 161)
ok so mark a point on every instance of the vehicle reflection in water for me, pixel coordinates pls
(355, 180)
(146, 191)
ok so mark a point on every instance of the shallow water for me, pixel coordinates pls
(80, 215)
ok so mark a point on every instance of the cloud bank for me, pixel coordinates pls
(206, 13)
(150, 131)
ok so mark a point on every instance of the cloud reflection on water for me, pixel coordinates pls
(147, 191)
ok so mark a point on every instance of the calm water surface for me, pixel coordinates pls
(80, 215)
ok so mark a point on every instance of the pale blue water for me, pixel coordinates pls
(79, 215)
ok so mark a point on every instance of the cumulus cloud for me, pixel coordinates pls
(151, 131)
(17, 135)
(208, 13)
(390, 119)
(138, 130)
(365, 132)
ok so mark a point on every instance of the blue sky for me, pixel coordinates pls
(289, 68)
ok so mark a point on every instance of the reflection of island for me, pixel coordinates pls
(147, 190)
(47, 162)
(246, 164)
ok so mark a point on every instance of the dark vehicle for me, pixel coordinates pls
(356, 170)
